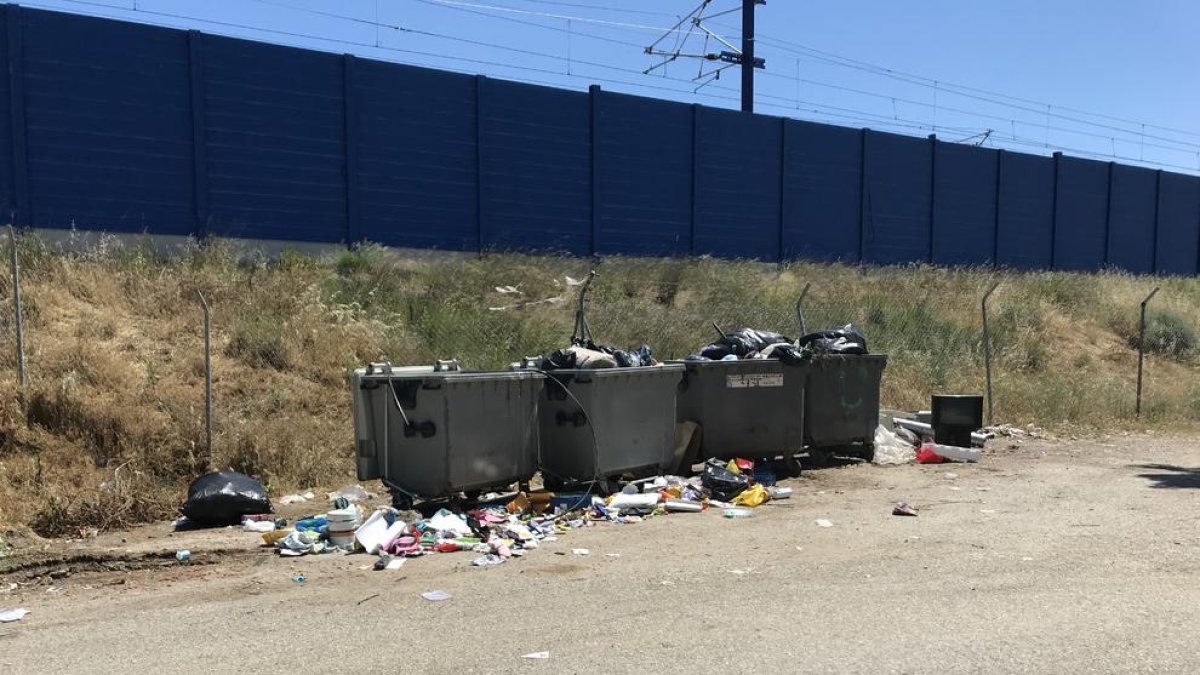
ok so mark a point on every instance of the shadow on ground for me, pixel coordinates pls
(1170, 476)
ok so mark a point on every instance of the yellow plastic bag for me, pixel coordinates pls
(753, 496)
(732, 467)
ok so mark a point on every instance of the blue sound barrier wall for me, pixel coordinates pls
(124, 127)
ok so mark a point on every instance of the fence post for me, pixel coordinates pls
(800, 309)
(16, 281)
(987, 352)
(1142, 350)
(207, 381)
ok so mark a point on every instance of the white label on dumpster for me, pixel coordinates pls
(750, 381)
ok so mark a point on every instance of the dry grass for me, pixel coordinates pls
(114, 426)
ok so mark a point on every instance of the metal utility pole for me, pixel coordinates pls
(728, 57)
(747, 56)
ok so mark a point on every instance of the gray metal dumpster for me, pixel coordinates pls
(630, 411)
(751, 408)
(841, 403)
(431, 432)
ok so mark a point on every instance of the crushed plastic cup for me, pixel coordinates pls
(738, 512)
(183, 555)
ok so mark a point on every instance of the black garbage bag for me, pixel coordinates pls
(789, 354)
(744, 341)
(845, 340)
(721, 483)
(223, 497)
(635, 358)
(715, 352)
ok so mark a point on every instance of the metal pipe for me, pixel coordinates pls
(987, 351)
(207, 379)
(1142, 350)
(925, 429)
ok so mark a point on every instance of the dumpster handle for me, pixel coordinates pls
(426, 429)
(583, 332)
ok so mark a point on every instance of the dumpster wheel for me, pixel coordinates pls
(401, 500)
(865, 452)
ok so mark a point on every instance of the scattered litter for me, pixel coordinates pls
(258, 526)
(738, 512)
(741, 572)
(542, 656)
(988, 511)
(959, 454)
(927, 454)
(300, 578)
(903, 509)
(292, 499)
(369, 597)
(753, 496)
(1027, 559)
(445, 521)
(668, 583)
(487, 560)
(507, 290)
(341, 525)
(183, 555)
(683, 506)
(821, 522)
(955, 488)
(572, 282)
(951, 476)
(11, 614)
(580, 551)
(799, 548)
(351, 493)
(379, 531)
(11, 586)
(890, 448)
(396, 563)
(612, 555)
(780, 492)
(436, 596)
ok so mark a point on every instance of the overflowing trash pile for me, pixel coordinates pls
(751, 343)
(588, 354)
(499, 529)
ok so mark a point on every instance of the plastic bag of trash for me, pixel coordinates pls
(722, 483)
(223, 497)
(845, 340)
(754, 496)
(746, 340)
(891, 449)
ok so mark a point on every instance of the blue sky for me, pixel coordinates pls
(1083, 76)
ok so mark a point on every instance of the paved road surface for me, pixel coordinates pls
(1047, 558)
